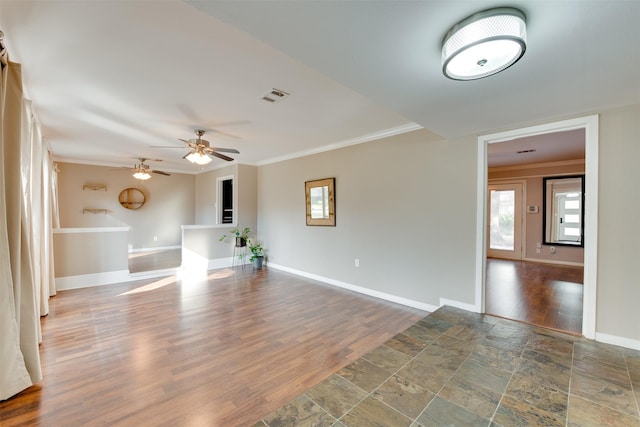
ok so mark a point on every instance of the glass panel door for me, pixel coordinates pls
(505, 221)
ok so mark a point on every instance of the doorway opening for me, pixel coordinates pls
(590, 127)
(525, 281)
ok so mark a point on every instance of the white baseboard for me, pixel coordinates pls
(156, 248)
(366, 291)
(555, 262)
(215, 264)
(619, 341)
(461, 305)
(89, 280)
(123, 276)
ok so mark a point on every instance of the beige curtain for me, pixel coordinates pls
(27, 214)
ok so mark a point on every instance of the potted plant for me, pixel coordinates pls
(257, 254)
(241, 236)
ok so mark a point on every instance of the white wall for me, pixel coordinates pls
(405, 207)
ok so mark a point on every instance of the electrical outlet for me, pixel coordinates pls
(357, 262)
(155, 238)
(552, 249)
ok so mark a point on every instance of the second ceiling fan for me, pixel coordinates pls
(201, 150)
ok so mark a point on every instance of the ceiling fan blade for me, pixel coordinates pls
(186, 141)
(161, 172)
(145, 159)
(165, 146)
(225, 150)
(221, 156)
(226, 134)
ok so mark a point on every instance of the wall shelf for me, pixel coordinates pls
(94, 187)
(95, 211)
(131, 198)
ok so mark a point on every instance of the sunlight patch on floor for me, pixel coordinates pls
(152, 286)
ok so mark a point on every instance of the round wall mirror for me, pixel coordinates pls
(131, 198)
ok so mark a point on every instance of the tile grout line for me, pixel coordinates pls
(320, 406)
(504, 393)
(573, 357)
(598, 403)
(413, 420)
(452, 375)
(445, 384)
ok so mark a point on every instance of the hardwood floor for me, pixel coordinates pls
(155, 260)
(225, 350)
(540, 294)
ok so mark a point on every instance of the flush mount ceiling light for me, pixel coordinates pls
(484, 44)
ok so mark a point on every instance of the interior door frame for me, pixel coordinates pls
(590, 125)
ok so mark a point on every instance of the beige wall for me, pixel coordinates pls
(206, 193)
(618, 232)
(405, 207)
(248, 197)
(79, 253)
(170, 202)
(202, 243)
(532, 176)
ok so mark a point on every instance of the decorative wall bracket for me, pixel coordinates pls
(95, 211)
(94, 187)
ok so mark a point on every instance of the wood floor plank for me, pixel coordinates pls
(541, 294)
(221, 351)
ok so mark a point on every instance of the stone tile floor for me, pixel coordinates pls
(455, 368)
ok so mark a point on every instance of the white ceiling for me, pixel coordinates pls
(551, 147)
(110, 79)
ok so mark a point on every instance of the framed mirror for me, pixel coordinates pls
(563, 209)
(320, 201)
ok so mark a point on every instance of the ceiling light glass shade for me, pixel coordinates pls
(198, 158)
(484, 44)
(141, 175)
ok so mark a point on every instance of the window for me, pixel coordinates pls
(563, 210)
(225, 211)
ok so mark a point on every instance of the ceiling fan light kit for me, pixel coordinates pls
(198, 158)
(141, 175)
(484, 44)
(201, 150)
(141, 170)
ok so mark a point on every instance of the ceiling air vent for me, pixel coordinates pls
(275, 95)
